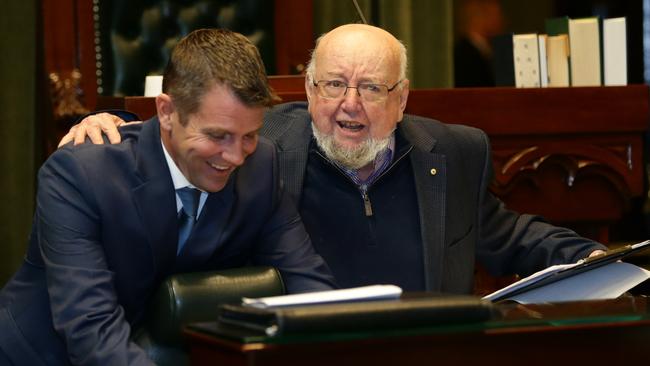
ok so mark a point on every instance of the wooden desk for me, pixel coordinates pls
(610, 332)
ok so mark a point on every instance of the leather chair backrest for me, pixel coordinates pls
(195, 297)
(134, 37)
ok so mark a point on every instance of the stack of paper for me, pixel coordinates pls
(365, 293)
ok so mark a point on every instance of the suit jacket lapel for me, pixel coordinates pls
(430, 174)
(292, 136)
(154, 197)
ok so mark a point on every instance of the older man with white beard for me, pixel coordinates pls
(393, 198)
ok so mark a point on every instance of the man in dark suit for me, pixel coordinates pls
(392, 198)
(479, 21)
(106, 230)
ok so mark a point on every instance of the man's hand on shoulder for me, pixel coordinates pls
(596, 253)
(93, 126)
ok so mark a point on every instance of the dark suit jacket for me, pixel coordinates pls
(460, 219)
(105, 235)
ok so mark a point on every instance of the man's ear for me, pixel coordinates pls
(403, 98)
(166, 109)
(309, 88)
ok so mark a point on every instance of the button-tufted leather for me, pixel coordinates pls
(136, 36)
(195, 297)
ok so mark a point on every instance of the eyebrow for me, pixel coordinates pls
(257, 131)
(361, 81)
(214, 131)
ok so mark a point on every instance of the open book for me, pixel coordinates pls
(600, 277)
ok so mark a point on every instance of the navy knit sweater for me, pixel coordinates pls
(383, 248)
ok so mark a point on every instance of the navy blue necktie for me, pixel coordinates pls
(187, 216)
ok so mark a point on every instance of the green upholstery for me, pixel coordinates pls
(195, 297)
(134, 38)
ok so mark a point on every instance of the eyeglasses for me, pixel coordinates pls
(334, 89)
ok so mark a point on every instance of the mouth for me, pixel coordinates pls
(221, 168)
(350, 125)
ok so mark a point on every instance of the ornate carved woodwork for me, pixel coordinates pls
(66, 94)
(572, 155)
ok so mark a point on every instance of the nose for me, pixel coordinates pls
(351, 100)
(234, 154)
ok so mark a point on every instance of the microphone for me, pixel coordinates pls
(356, 5)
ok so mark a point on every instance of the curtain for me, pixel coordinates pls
(17, 130)
(425, 27)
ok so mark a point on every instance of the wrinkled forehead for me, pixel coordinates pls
(359, 54)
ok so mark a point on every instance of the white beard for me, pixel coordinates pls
(351, 158)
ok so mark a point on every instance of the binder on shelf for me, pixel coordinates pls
(557, 55)
(526, 60)
(558, 51)
(584, 44)
(615, 51)
(557, 26)
(503, 61)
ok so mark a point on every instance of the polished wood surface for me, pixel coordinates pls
(572, 155)
(294, 36)
(598, 332)
(144, 107)
(68, 39)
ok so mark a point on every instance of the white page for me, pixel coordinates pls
(607, 282)
(534, 278)
(375, 292)
(543, 61)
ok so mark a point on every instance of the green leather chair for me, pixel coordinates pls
(194, 297)
(134, 38)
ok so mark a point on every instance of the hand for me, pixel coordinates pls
(93, 127)
(596, 253)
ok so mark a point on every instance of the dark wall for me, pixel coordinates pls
(17, 130)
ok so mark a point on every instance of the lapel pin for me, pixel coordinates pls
(433, 171)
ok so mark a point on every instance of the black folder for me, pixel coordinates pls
(582, 266)
(358, 316)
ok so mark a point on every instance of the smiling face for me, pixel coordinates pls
(355, 54)
(214, 140)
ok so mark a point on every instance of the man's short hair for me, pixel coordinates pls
(206, 57)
